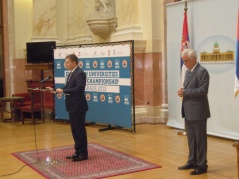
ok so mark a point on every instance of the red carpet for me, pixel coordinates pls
(102, 162)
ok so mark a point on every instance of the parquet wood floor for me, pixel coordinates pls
(156, 143)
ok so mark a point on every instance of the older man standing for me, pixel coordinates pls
(195, 110)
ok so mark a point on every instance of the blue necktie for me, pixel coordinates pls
(69, 76)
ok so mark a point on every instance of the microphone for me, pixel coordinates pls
(47, 78)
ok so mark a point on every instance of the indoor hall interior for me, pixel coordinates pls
(155, 27)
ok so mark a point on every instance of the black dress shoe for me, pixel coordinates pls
(186, 167)
(80, 158)
(72, 156)
(198, 171)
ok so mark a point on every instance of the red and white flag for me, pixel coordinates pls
(184, 44)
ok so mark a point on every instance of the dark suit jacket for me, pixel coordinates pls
(75, 92)
(195, 104)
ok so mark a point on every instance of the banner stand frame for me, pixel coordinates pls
(108, 126)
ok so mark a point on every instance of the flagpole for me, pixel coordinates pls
(185, 6)
(183, 132)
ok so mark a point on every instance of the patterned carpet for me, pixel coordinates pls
(102, 162)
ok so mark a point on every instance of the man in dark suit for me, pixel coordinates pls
(195, 110)
(76, 106)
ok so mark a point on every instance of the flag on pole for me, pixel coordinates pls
(184, 45)
(236, 88)
(184, 42)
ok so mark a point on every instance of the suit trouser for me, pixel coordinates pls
(197, 142)
(77, 121)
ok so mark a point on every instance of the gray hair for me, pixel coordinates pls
(190, 52)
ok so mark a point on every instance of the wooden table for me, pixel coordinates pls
(11, 100)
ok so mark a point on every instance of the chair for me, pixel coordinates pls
(18, 104)
(34, 107)
(26, 100)
(46, 103)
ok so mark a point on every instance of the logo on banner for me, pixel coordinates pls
(102, 64)
(58, 65)
(117, 99)
(102, 98)
(110, 98)
(95, 64)
(87, 64)
(95, 97)
(80, 64)
(87, 97)
(117, 64)
(124, 63)
(109, 64)
(126, 99)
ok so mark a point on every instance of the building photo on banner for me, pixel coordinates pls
(213, 36)
(109, 84)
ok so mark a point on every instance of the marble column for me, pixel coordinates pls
(8, 20)
(164, 107)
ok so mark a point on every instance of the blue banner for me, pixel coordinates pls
(108, 86)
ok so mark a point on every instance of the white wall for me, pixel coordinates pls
(22, 25)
